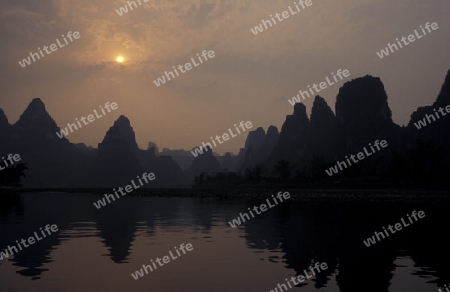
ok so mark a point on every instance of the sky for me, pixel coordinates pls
(250, 78)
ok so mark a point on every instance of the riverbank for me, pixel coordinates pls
(253, 193)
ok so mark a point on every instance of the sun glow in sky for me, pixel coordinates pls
(251, 78)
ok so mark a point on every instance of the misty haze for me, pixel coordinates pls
(210, 145)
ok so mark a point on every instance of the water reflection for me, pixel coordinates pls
(294, 235)
(333, 233)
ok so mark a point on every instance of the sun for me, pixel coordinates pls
(119, 59)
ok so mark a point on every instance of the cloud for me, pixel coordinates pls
(264, 70)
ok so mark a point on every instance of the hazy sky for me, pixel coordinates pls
(249, 79)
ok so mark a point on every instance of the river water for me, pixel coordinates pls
(97, 250)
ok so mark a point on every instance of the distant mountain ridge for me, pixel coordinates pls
(307, 145)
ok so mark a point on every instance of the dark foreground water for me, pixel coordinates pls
(97, 250)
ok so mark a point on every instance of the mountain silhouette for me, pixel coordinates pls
(308, 146)
(258, 146)
(292, 142)
(228, 162)
(205, 162)
(301, 151)
(117, 163)
(51, 161)
(325, 130)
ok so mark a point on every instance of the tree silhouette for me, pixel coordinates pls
(317, 166)
(427, 161)
(283, 168)
(200, 179)
(11, 176)
(255, 173)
